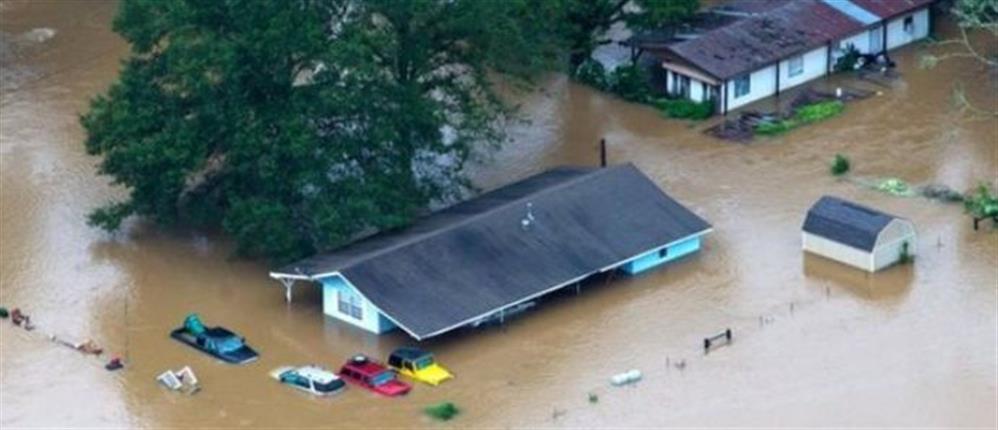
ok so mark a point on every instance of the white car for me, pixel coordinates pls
(311, 379)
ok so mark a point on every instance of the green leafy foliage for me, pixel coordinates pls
(804, 115)
(442, 411)
(630, 82)
(685, 108)
(584, 23)
(982, 202)
(840, 165)
(592, 73)
(896, 187)
(848, 61)
(298, 129)
(905, 256)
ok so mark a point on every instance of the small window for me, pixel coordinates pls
(349, 304)
(909, 24)
(743, 85)
(795, 66)
(664, 252)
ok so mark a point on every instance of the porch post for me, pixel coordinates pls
(288, 283)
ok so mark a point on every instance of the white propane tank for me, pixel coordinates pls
(838, 92)
(628, 377)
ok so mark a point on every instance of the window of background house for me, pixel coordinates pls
(682, 86)
(743, 85)
(909, 24)
(795, 66)
(664, 252)
(349, 304)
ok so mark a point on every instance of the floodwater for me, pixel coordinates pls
(816, 344)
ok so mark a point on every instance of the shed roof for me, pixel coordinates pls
(763, 39)
(474, 258)
(846, 222)
(890, 8)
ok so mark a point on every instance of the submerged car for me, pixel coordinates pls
(419, 365)
(218, 342)
(374, 376)
(311, 379)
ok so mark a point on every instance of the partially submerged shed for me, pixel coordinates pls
(502, 249)
(856, 235)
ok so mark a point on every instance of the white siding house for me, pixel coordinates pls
(776, 46)
(856, 235)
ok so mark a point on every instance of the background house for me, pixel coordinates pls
(772, 45)
(856, 235)
(477, 259)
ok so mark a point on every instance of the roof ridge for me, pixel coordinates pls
(410, 241)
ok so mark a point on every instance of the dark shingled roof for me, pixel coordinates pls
(472, 259)
(846, 222)
(890, 8)
(752, 43)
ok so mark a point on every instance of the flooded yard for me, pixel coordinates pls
(815, 343)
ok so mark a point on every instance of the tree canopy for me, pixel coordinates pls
(297, 126)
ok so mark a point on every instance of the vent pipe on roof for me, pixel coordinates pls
(602, 152)
(528, 220)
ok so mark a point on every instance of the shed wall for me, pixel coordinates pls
(836, 251)
(890, 242)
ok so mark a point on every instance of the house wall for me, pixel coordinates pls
(652, 259)
(763, 85)
(836, 251)
(372, 321)
(891, 239)
(896, 36)
(697, 93)
(815, 66)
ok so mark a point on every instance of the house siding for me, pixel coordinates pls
(372, 319)
(763, 84)
(815, 65)
(653, 259)
(896, 36)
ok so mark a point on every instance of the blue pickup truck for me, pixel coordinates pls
(218, 342)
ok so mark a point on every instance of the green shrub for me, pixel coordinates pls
(840, 165)
(848, 61)
(895, 187)
(772, 128)
(684, 108)
(593, 398)
(905, 256)
(630, 82)
(592, 73)
(818, 111)
(442, 411)
(982, 203)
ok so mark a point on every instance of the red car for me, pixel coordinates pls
(374, 376)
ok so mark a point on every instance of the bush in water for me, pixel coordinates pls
(840, 165)
(685, 109)
(592, 73)
(442, 411)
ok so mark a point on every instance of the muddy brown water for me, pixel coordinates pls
(816, 344)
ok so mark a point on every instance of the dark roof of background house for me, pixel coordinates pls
(846, 222)
(474, 258)
(750, 6)
(752, 43)
(891, 8)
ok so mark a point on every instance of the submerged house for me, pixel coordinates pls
(768, 46)
(478, 259)
(856, 235)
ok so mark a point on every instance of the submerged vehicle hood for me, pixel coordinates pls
(434, 374)
(243, 354)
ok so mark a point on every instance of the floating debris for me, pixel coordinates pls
(39, 35)
(182, 380)
(896, 187)
(3, 313)
(941, 192)
(114, 364)
(442, 411)
(21, 319)
(593, 398)
(708, 342)
(628, 377)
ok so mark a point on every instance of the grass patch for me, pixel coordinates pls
(804, 115)
(442, 411)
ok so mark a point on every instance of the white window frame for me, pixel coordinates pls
(747, 86)
(349, 304)
(795, 66)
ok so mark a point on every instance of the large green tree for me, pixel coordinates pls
(586, 22)
(299, 125)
